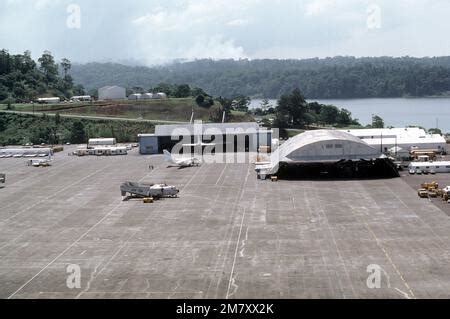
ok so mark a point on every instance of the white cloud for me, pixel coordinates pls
(214, 47)
(160, 30)
(238, 22)
(318, 7)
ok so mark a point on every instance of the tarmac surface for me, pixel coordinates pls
(228, 235)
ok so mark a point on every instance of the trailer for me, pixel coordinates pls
(81, 98)
(101, 151)
(49, 100)
(25, 152)
(436, 167)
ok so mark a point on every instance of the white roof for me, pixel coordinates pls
(308, 147)
(102, 139)
(146, 135)
(167, 130)
(399, 132)
(48, 98)
(108, 87)
(397, 136)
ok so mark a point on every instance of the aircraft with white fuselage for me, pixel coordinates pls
(181, 162)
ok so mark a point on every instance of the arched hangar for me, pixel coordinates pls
(325, 146)
(329, 153)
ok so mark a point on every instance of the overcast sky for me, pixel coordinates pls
(153, 31)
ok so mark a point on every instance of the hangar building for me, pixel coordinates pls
(325, 146)
(229, 137)
(112, 93)
(328, 152)
(404, 138)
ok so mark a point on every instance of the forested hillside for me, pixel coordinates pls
(339, 77)
(22, 79)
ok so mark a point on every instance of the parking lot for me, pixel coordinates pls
(228, 235)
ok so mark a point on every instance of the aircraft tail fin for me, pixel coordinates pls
(167, 156)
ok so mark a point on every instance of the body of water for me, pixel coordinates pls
(398, 112)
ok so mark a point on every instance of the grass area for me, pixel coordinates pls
(17, 129)
(178, 110)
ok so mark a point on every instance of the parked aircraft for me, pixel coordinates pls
(199, 143)
(181, 162)
(148, 190)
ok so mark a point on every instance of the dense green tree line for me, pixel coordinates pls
(339, 77)
(24, 80)
(17, 129)
(293, 111)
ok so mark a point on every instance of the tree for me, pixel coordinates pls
(163, 88)
(226, 106)
(137, 89)
(344, 117)
(241, 103)
(377, 122)
(196, 91)
(265, 104)
(2, 123)
(183, 91)
(48, 67)
(200, 100)
(9, 102)
(292, 108)
(435, 131)
(78, 134)
(79, 90)
(328, 114)
(66, 66)
(57, 118)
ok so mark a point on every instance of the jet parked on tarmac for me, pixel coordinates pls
(181, 162)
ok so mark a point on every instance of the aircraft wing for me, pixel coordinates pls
(199, 144)
(184, 161)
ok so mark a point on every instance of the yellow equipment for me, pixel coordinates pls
(430, 186)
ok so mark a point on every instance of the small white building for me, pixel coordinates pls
(135, 97)
(112, 93)
(160, 95)
(147, 96)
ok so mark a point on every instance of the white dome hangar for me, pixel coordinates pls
(325, 146)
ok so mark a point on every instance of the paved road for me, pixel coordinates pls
(94, 117)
